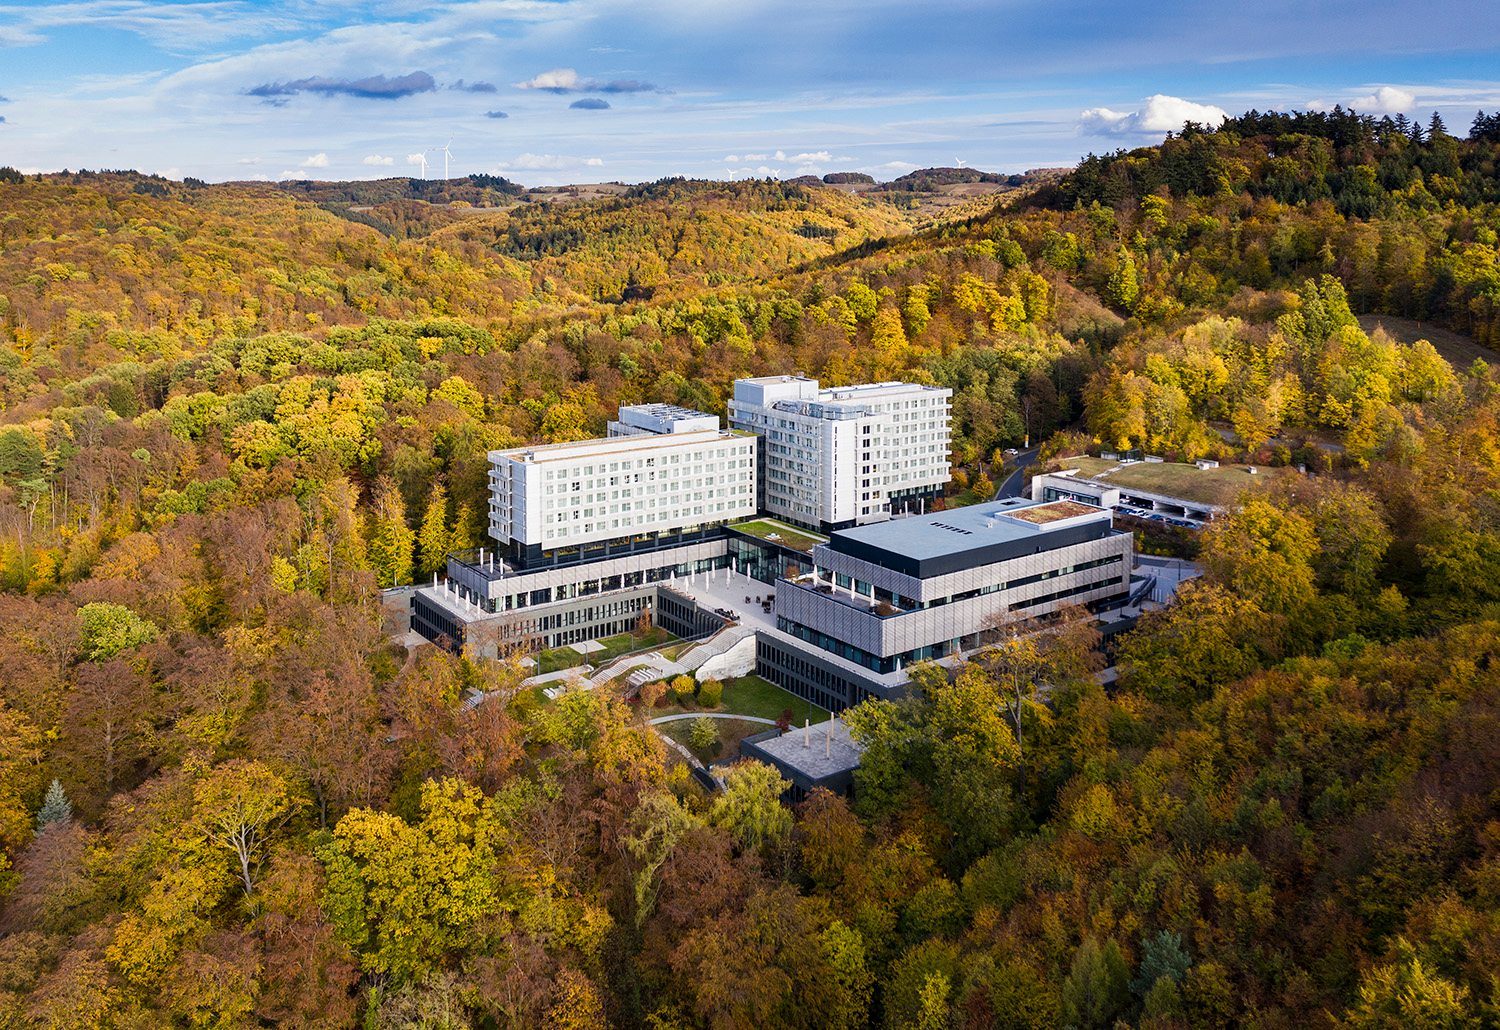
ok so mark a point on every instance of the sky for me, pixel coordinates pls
(558, 91)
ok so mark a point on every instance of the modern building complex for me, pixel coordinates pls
(888, 595)
(833, 458)
(591, 535)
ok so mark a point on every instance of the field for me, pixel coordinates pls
(1459, 350)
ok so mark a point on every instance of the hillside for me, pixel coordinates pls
(230, 416)
(679, 234)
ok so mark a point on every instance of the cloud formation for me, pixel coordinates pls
(1385, 100)
(567, 80)
(315, 161)
(377, 160)
(371, 87)
(547, 163)
(474, 87)
(1158, 114)
(496, 114)
(590, 104)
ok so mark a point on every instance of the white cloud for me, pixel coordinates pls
(547, 163)
(1385, 100)
(1158, 114)
(376, 159)
(813, 157)
(557, 78)
(415, 159)
(315, 161)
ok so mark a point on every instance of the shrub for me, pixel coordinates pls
(703, 734)
(710, 693)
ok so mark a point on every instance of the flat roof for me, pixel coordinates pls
(862, 390)
(667, 412)
(610, 444)
(1216, 487)
(773, 380)
(777, 532)
(969, 537)
(816, 752)
(964, 529)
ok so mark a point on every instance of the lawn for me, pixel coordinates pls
(785, 535)
(621, 643)
(751, 695)
(731, 732)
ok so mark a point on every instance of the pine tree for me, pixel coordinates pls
(55, 807)
(434, 539)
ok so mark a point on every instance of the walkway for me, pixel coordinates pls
(680, 716)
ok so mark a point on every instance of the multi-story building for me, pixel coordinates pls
(561, 503)
(848, 455)
(586, 532)
(883, 596)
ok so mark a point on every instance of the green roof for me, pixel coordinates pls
(777, 532)
(1213, 486)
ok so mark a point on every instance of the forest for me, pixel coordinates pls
(231, 414)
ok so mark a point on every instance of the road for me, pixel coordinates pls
(1011, 485)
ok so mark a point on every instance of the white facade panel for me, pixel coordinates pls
(838, 456)
(565, 495)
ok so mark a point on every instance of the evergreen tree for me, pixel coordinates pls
(55, 807)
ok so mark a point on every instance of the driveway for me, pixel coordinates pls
(1011, 485)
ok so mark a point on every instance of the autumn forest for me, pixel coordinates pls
(231, 414)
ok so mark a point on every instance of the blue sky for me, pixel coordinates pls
(553, 91)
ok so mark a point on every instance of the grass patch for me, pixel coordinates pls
(554, 659)
(751, 695)
(787, 536)
(731, 732)
(1218, 486)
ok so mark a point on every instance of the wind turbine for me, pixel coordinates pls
(444, 151)
(420, 159)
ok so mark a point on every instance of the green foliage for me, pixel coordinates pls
(1096, 990)
(703, 734)
(403, 896)
(750, 808)
(105, 630)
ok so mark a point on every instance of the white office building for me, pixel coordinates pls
(848, 455)
(643, 488)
